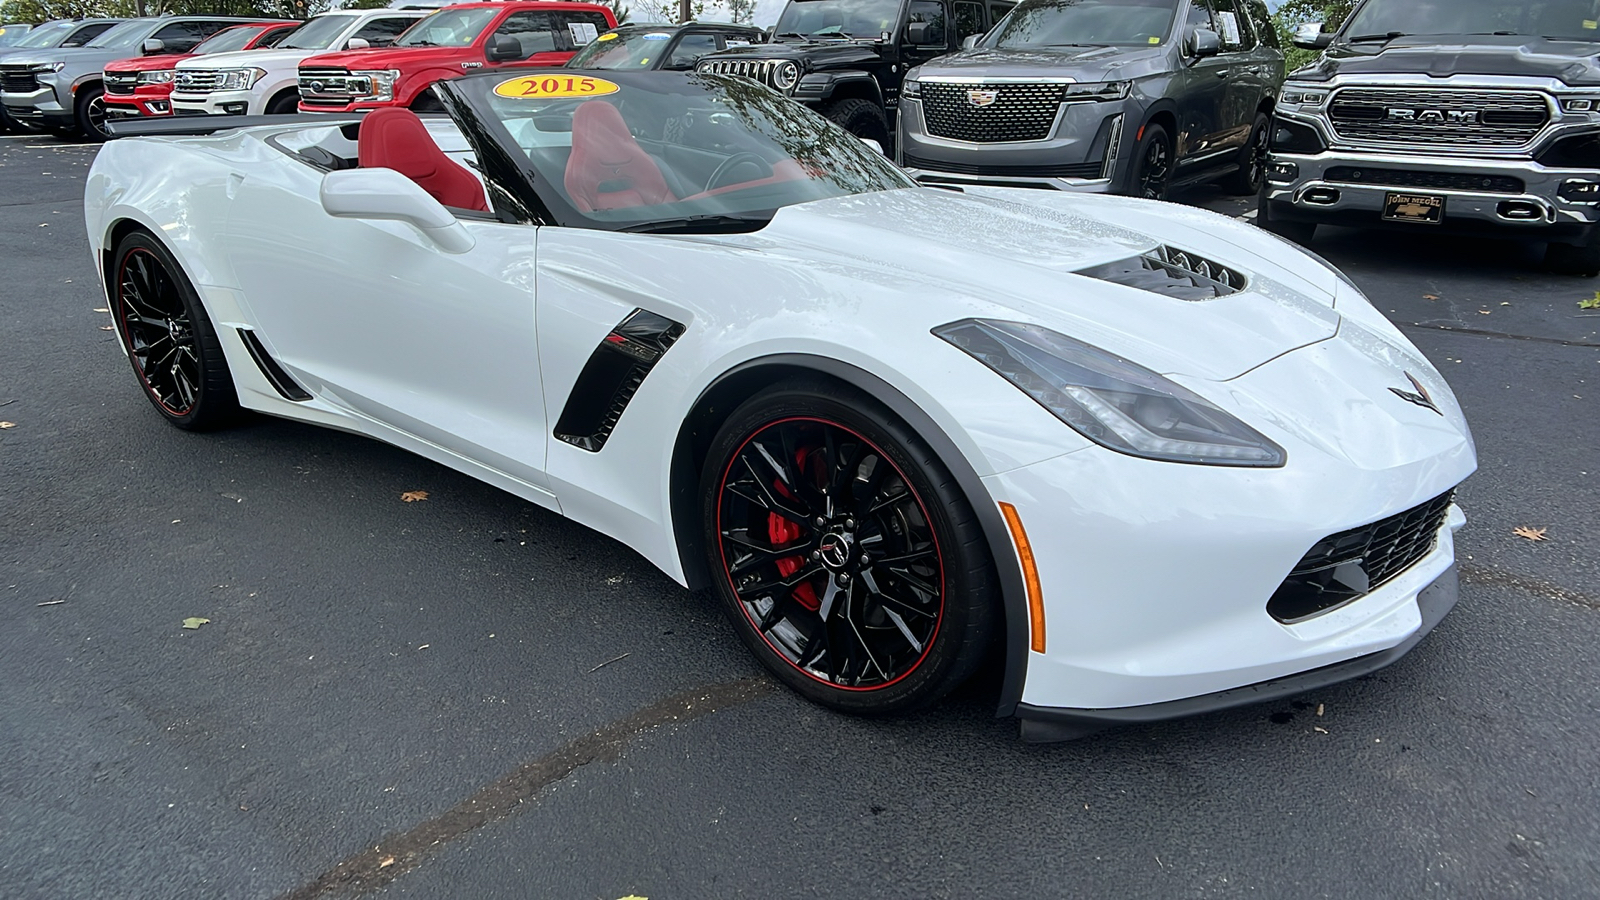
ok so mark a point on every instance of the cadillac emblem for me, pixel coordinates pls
(980, 99)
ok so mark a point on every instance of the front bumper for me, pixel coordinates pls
(217, 103)
(131, 106)
(39, 107)
(1326, 191)
(1084, 151)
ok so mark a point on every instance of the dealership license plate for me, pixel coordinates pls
(1422, 209)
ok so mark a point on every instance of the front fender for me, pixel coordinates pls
(815, 87)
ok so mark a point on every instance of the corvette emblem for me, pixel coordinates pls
(1420, 397)
(980, 99)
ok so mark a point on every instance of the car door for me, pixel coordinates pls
(690, 46)
(535, 31)
(374, 318)
(1200, 103)
(86, 34)
(1243, 77)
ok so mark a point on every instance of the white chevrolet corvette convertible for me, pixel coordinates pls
(1159, 461)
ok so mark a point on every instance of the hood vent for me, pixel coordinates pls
(1175, 273)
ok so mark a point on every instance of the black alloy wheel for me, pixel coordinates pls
(92, 113)
(843, 553)
(1154, 172)
(170, 341)
(1253, 167)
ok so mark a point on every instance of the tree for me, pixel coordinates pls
(1331, 13)
(740, 12)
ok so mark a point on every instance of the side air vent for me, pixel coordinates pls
(276, 376)
(1175, 273)
(612, 376)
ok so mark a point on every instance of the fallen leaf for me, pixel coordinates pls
(1319, 729)
(414, 496)
(424, 646)
(101, 309)
(1319, 709)
(8, 424)
(1430, 296)
(51, 603)
(1591, 303)
(1532, 534)
(1483, 312)
(386, 862)
(195, 622)
(105, 328)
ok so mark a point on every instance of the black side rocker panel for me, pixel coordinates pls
(612, 376)
(1045, 724)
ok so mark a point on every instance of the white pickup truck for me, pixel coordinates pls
(254, 82)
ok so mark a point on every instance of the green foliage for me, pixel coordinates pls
(1331, 13)
(42, 10)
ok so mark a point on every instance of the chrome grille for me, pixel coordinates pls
(332, 86)
(121, 82)
(18, 79)
(1438, 117)
(196, 81)
(754, 69)
(1012, 112)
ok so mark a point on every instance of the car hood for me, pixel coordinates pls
(243, 59)
(1083, 64)
(1007, 254)
(820, 54)
(402, 58)
(148, 63)
(72, 56)
(1440, 56)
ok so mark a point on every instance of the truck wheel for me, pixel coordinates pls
(427, 101)
(1253, 166)
(285, 104)
(1299, 232)
(91, 111)
(861, 118)
(1152, 168)
(1582, 260)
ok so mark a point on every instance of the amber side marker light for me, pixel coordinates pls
(1030, 575)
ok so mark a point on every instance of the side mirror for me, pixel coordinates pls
(1310, 36)
(153, 46)
(924, 34)
(386, 194)
(358, 44)
(970, 41)
(877, 147)
(1204, 42)
(503, 48)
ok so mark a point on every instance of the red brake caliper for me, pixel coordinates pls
(781, 531)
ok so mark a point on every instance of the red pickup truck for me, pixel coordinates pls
(142, 86)
(454, 41)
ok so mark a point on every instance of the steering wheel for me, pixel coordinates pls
(732, 163)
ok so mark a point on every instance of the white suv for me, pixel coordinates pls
(253, 82)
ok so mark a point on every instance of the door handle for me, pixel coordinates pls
(1222, 73)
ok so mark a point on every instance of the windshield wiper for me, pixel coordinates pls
(1077, 45)
(1386, 38)
(791, 34)
(700, 224)
(418, 44)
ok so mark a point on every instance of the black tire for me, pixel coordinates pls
(1252, 172)
(848, 586)
(1152, 166)
(426, 101)
(170, 341)
(91, 113)
(861, 118)
(1582, 260)
(287, 103)
(1299, 232)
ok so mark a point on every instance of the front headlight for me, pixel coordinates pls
(911, 88)
(239, 79)
(1097, 90)
(159, 76)
(1111, 401)
(49, 67)
(382, 83)
(785, 76)
(1303, 95)
(1580, 104)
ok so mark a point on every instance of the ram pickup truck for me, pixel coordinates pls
(1473, 116)
(142, 86)
(465, 37)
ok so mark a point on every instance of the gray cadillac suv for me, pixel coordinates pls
(1123, 96)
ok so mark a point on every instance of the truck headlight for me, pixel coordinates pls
(382, 81)
(911, 88)
(1097, 90)
(239, 79)
(49, 67)
(785, 76)
(1303, 95)
(1580, 104)
(158, 76)
(1115, 403)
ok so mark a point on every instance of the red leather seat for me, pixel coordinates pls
(394, 138)
(608, 169)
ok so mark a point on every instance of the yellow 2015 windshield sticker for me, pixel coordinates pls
(608, 36)
(550, 87)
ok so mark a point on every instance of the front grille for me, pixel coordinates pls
(1444, 181)
(1072, 170)
(754, 69)
(1438, 117)
(1175, 273)
(1009, 112)
(196, 81)
(1351, 564)
(332, 87)
(18, 80)
(121, 82)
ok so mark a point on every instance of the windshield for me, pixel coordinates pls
(849, 18)
(1567, 19)
(664, 151)
(10, 34)
(1076, 23)
(228, 40)
(448, 28)
(633, 49)
(127, 34)
(47, 35)
(316, 34)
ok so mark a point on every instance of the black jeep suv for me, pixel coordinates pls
(846, 58)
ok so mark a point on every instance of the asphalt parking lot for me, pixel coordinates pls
(469, 697)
